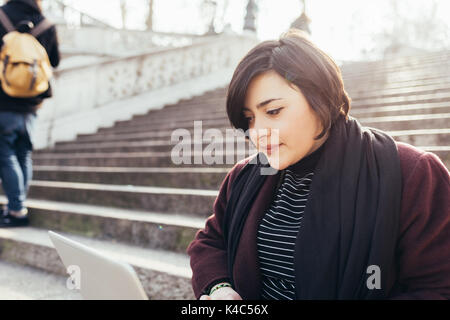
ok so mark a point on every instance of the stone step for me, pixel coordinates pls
(370, 85)
(224, 124)
(221, 118)
(198, 112)
(411, 109)
(403, 100)
(166, 117)
(164, 274)
(100, 137)
(416, 108)
(382, 67)
(364, 84)
(409, 60)
(430, 121)
(196, 202)
(142, 159)
(432, 136)
(429, 73)
(185, 111)
(442, 85)
(139, 159)
(161, 116)
(212, 112)
(166, 122)
(400, 71)
(154, 230)
(195, 178)
(19, 282)
(164, 145)
(358, 107)
(165, 134)
(146, 136)
(423, 137)
(210, 93)
(370, 81)
(408, 122)
(208, 96)
(417, 121)
(196, 107)
(205, 124)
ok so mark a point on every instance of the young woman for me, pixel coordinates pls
(349, 214)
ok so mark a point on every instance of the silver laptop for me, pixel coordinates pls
(97, 276)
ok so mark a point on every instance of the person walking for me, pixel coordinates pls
(18, 112)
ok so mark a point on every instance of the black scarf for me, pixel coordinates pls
(350, 220)
(29, 3)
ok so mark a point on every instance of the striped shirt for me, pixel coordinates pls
(279, 227)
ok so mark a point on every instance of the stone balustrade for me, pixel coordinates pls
(117, 42)
(81, 33)
(98, 94)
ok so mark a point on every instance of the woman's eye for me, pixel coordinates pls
(248, 119)
(270, 112)
(274, 111)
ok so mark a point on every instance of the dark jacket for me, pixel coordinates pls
(27, 10)
(422, 250)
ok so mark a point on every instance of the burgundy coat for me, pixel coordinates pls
(423, 245)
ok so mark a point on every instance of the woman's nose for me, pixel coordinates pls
(260, 133)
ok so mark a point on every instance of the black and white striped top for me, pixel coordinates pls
(278, 230)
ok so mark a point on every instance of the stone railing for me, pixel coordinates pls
(88, 97)
(80, 33)
(62, 13)
(117, 42)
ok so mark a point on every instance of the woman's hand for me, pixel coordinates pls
(225, 293)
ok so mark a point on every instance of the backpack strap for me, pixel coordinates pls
(4, 20)
(43, 26)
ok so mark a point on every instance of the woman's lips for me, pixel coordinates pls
(272, 148)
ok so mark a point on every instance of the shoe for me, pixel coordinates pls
(9, 221)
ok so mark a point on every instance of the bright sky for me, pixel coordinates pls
(343, 28)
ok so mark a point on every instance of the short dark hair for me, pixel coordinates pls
(295, 58)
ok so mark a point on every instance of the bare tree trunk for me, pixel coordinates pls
(123, 11)
(224, 12)
(414, 29)
(149, 20)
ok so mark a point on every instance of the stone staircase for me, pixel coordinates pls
(119, 191)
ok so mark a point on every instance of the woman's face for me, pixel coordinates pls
(278, 106)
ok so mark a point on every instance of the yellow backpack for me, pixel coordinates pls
(25, 68)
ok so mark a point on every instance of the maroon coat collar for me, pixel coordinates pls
(246, 268)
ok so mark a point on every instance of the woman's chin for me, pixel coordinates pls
(276, 162)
